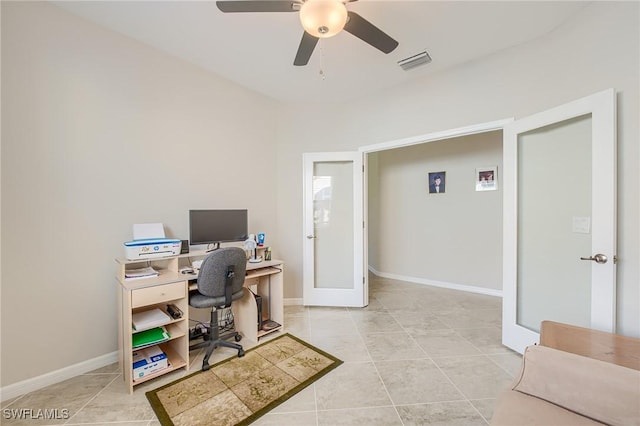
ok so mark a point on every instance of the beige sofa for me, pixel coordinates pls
(575, 376)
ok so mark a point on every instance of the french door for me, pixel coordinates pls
(560, 219)
(333, 238)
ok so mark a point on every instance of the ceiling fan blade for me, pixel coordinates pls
(307, 44)
(232, 6)
(369, 33)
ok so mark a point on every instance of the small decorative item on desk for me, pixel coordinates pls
(260, 239)
(250, 245)
(267, 253)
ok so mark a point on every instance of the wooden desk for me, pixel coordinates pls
(264, 279)
(171, 286)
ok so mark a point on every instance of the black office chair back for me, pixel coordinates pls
(216, 266)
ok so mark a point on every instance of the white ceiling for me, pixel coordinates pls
(256, 50)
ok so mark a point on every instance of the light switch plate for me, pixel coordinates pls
(581, 225)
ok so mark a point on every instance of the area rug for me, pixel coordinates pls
(237, 391)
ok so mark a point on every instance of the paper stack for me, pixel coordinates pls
(149, 319)
(148, 361)
(135, 274)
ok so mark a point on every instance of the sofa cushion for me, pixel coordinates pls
(516, 408)
(602, 391)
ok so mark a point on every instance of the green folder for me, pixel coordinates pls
(150, 337)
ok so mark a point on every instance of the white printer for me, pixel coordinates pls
(149, 242)
(150, 248)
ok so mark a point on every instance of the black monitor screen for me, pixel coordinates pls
(217, 226)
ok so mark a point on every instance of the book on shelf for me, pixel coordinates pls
(149, 319)
(134, 274)
(150, 337)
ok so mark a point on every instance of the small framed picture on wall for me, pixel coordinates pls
(437, 181)
(487, 178)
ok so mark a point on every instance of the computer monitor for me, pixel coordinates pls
(217, 226)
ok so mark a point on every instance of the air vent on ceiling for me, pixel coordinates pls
(415, 60)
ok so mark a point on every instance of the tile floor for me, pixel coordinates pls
(416, 355)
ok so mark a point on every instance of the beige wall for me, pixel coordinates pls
(596, 50)
(100, 132)
(451, 238)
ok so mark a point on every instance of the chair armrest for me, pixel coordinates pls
(608, 347)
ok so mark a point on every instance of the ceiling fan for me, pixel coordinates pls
(320, 19)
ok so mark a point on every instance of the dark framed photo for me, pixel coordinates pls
(437, 182)
(487, 178)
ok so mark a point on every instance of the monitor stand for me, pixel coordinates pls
(215, 248)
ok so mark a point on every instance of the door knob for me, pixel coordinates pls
(310, 237)
(598, 258)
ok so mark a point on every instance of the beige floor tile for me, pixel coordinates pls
(379, 416)
(488, 340)
(472, 318)
(485, 407)
(416, 381)
(327, 326)
(417, 322)
(374, 305)
(352, 385)
(510, 362)
(347, 348)
(321, 312)
(477, 377)
(375, 322)
(397, 300)
(439, 343)
(390, 346)
(478, 301)
(305, 418)
(63, 400)
(457, 413)
(115, 404)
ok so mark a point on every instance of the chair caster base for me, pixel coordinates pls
(205, 367)
(240, 353)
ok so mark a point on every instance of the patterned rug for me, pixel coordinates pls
(237, 391)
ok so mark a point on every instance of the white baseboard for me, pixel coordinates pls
(452, 286)
(53, 377)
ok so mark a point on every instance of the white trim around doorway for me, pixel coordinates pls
(437, 136)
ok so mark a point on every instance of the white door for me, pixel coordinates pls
(560, 219)
(333, 230)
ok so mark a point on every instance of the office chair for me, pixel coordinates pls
(220, 281)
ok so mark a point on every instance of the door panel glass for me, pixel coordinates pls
(554, 224)
(333, 224)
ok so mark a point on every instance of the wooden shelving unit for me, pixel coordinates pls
(171, 286)
(149, 293)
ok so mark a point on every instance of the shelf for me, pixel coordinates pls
(165, 277)
(262, 333)
(175, 362)
(268, 270)
(172, 328)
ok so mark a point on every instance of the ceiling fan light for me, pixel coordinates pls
(323, 18)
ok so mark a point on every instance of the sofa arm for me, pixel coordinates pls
(595, 389)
